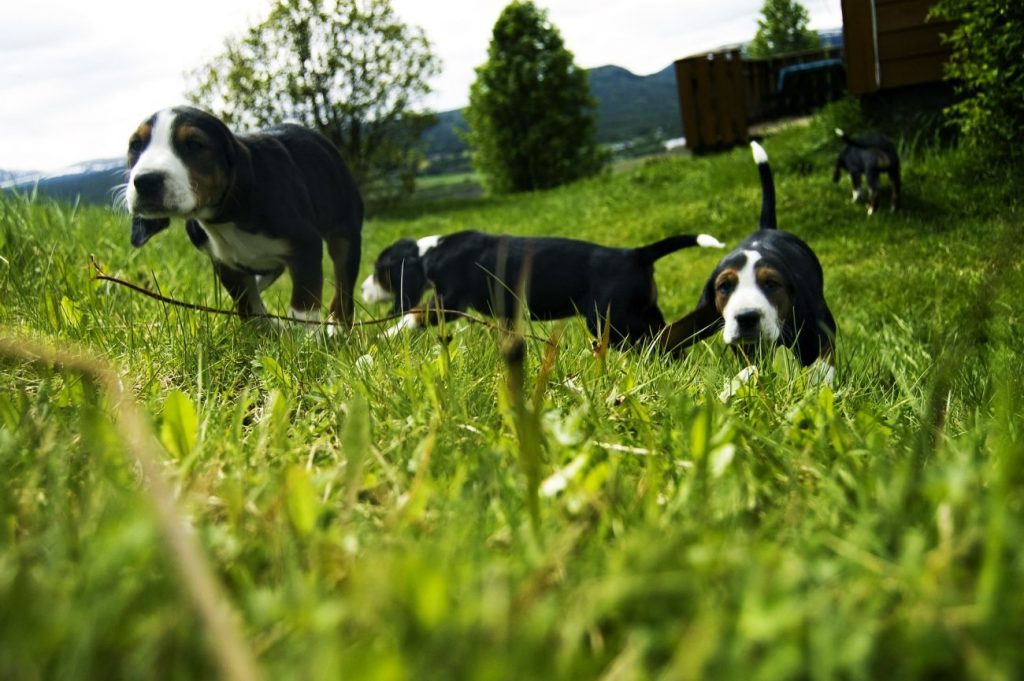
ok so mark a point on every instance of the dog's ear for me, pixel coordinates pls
(144, 228)
(814, 326)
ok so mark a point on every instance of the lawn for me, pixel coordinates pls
(416, 515)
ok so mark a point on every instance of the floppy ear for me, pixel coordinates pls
(814, 326)
(703, 322)
(144, 228)
(410, 286)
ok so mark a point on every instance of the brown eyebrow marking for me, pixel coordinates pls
(729, 273)
(185, 131)
(143, 132)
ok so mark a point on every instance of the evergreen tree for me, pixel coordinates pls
(532, 121)
(781, 29)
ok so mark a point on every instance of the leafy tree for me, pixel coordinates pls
(532, 121)
(349, 68)
(988, 72)
(781, 29)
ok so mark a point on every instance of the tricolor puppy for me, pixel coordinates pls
(868, 157)
(561, 278)
(257, 204)
(768, 290)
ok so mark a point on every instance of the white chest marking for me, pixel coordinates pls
(235, 247)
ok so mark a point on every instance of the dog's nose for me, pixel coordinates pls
(748, 321)
(149, 184)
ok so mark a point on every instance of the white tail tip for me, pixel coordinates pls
(708, 241)
(760, 155)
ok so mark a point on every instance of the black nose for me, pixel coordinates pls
(748, 321)
(149, 184)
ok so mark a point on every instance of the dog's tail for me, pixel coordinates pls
(767, 187)
(854, 142)
(659, 249)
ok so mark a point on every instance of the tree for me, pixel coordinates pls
(986, 68)
(532, 121)
(348, 68)
(781, 29)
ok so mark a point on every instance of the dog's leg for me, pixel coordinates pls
(895, 181)
(244, 291)
(265, 280)
(428, 314)
(307, 283)
(703, 322)
(855, 181)
(345, 256)
(873, 187)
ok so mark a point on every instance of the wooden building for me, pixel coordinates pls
(891, 44)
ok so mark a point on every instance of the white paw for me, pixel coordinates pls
(308, 320)
(406, 322)
(738, 381)
(821, 373)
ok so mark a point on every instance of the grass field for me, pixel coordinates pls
(415, 517)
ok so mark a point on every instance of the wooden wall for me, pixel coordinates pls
(891, 44)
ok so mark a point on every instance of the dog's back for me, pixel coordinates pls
(325, 180)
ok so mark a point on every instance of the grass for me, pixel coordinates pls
(420, 515)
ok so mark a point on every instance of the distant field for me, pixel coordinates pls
(388, 518)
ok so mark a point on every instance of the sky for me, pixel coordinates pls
(77, 77)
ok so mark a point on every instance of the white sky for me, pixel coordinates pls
(76, 76)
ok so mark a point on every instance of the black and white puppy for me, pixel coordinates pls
(868, 157)
(561, 278)
(257, 204)
(768, 290)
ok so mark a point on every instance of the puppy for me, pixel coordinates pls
(869, 157)
(256, 204)
(768, 290)
(560, 277)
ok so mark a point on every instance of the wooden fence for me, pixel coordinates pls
(721, 94)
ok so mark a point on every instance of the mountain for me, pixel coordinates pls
(89, 181)
(628, 107)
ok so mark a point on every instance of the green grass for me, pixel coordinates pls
(373, 520)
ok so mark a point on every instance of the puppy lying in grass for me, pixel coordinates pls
(768, 291)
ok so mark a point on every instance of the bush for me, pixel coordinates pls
(988, 72)
(532, 121)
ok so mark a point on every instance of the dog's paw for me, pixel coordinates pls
(821, 373)
(409, 321)
(738, 381)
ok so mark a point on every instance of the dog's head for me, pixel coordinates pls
(769, 290)
(181, 164)
(398, 276)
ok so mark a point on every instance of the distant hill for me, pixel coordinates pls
(628, 107)
(89, 182)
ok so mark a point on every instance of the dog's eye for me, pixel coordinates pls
(134, 146)
(194, 146)
(726, 287)
(770, 286)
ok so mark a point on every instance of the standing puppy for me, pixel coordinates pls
(561, 278)
(256, 204)
(768, 290)
(869, 157)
